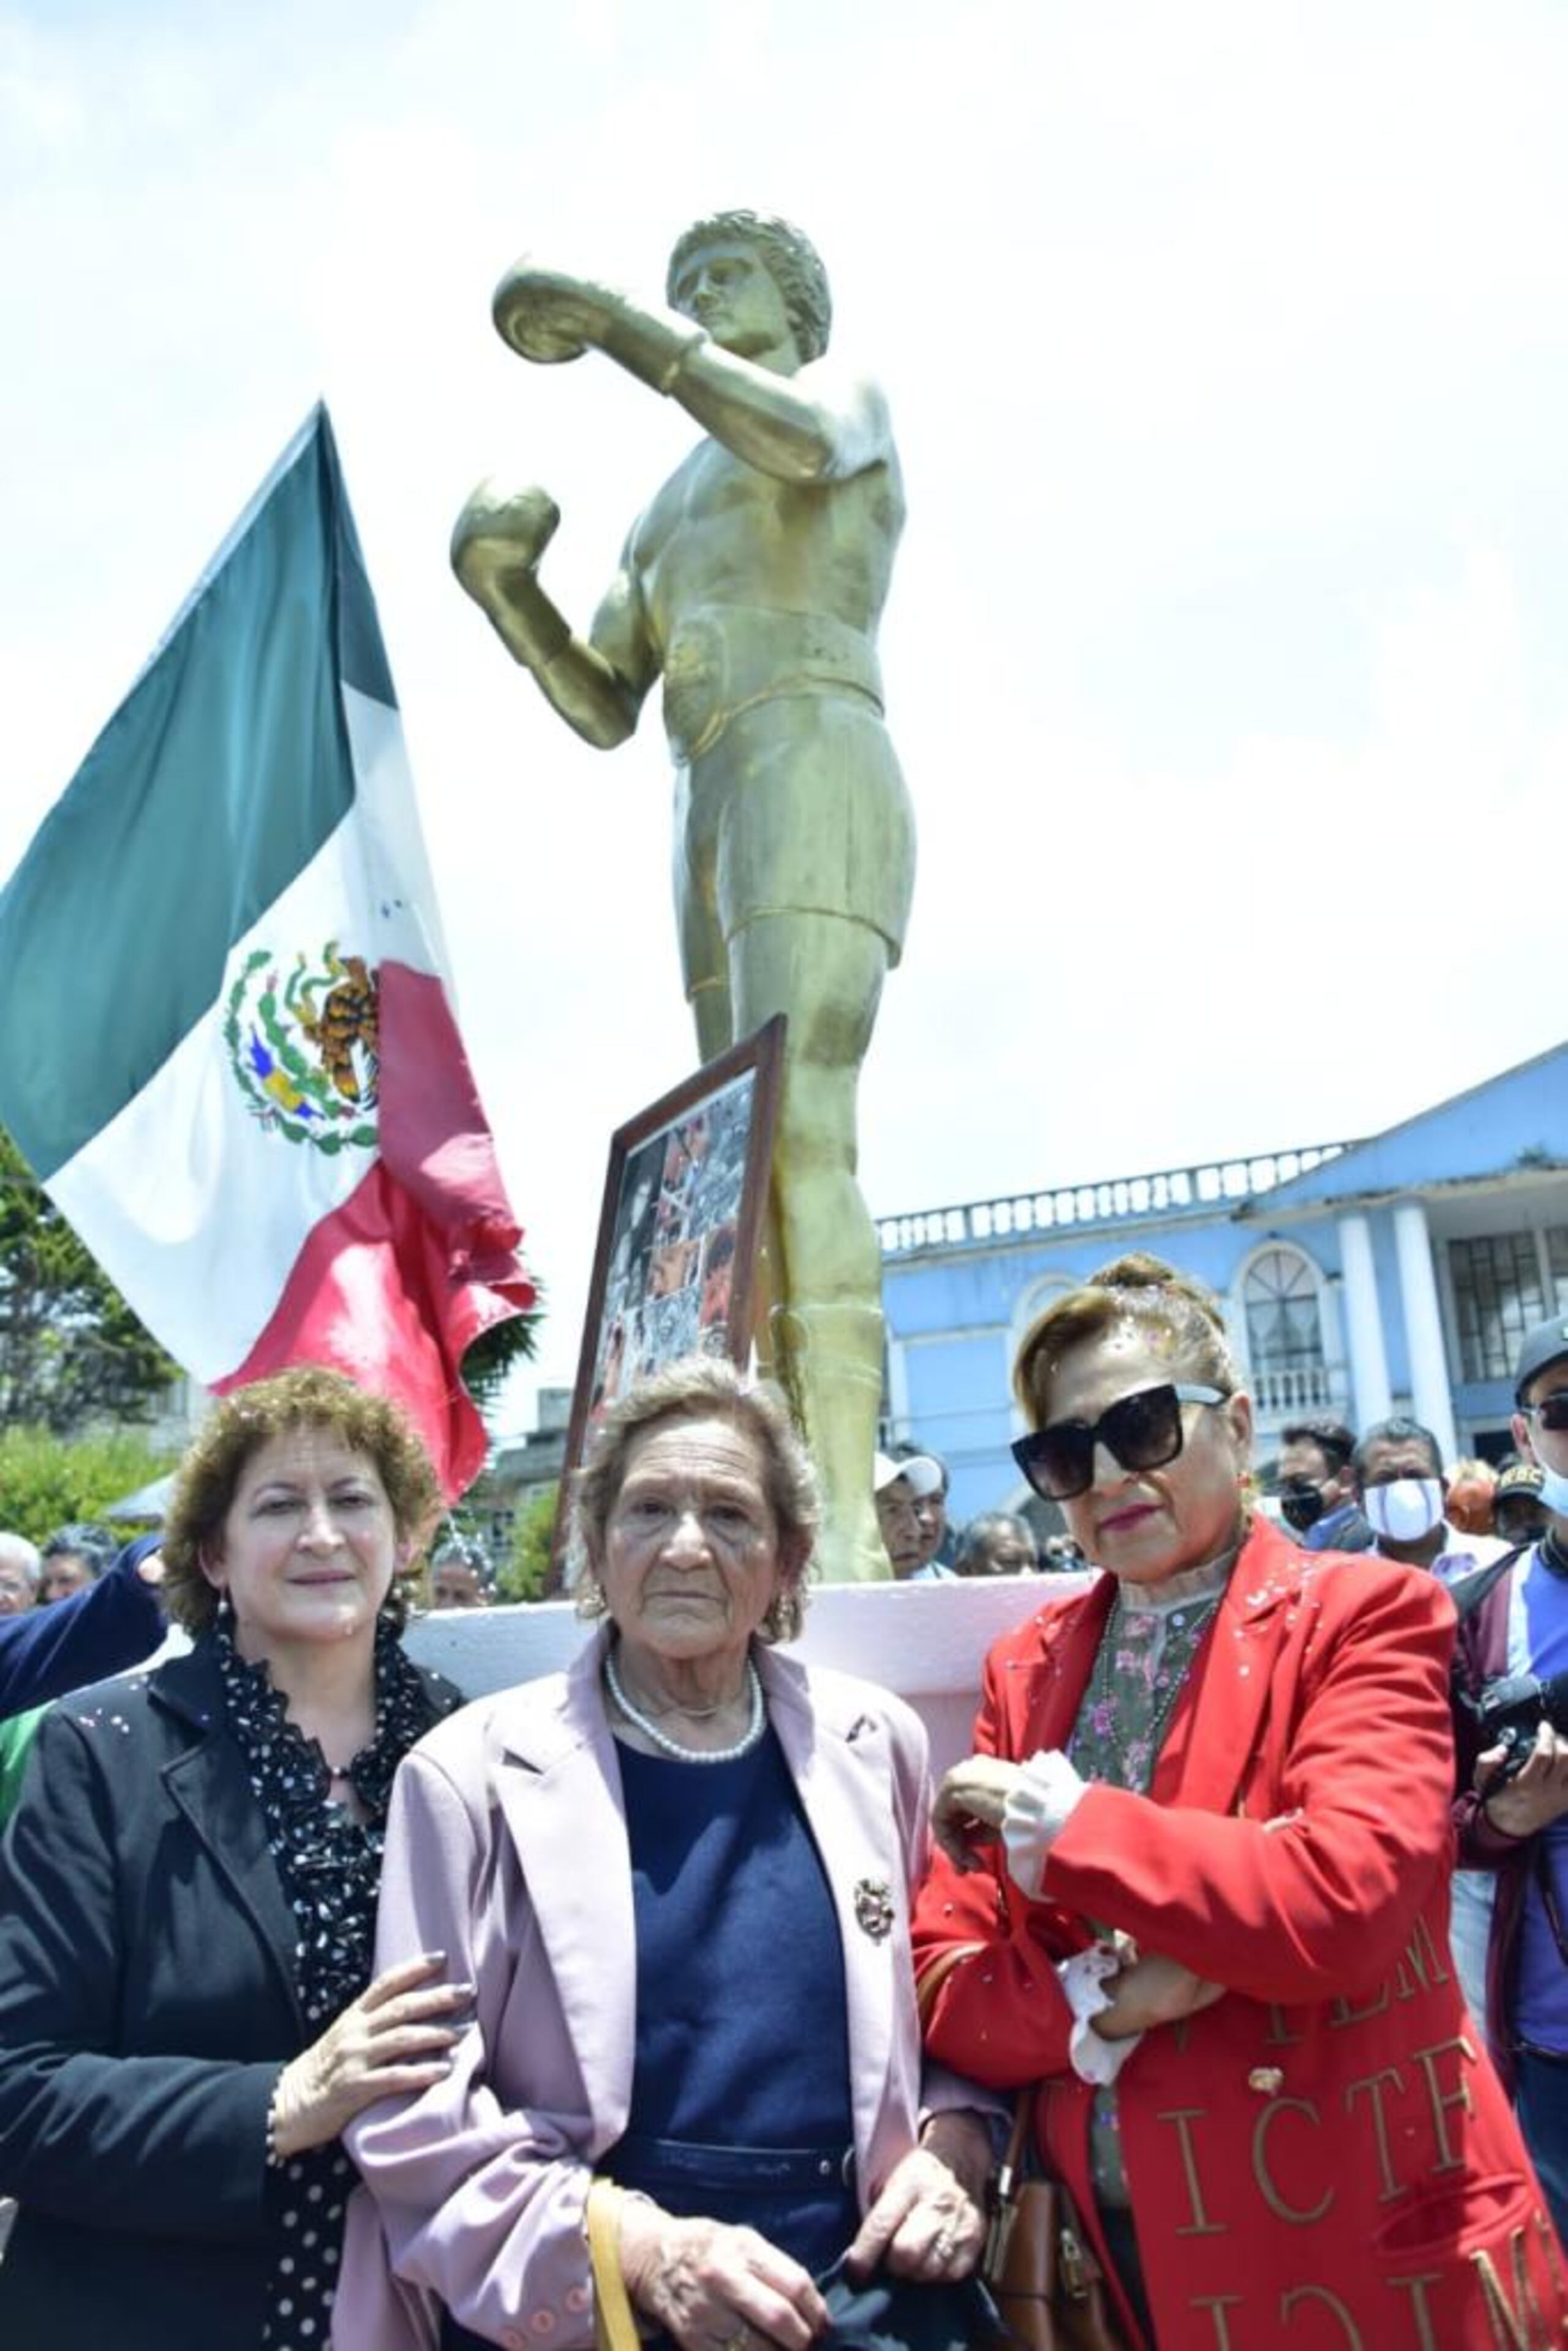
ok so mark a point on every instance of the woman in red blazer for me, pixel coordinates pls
(1194, 1885)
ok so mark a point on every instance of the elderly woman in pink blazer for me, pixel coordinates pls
(679, 1878)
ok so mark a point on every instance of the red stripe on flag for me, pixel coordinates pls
(395, 1284)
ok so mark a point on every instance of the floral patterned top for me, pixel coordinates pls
(1146, 1652)
(329, 1865)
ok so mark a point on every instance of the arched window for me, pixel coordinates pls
(1284, 1333)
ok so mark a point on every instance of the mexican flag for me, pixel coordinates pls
(229, 1051)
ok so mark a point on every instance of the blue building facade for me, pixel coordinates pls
(1393, 1274)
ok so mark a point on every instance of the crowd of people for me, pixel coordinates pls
(334, 2010)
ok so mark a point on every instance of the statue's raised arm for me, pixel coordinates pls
(746, 369)
(752, 585)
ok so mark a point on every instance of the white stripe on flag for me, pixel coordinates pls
(394, 843)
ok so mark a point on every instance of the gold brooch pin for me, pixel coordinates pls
(873, 1908)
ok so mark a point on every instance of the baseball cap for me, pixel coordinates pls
(920, 1474)
(1547, 1343)
(1519, 1478)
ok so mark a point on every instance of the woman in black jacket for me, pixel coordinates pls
(187, 1899)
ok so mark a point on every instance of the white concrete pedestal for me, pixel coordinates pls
(925, 1641)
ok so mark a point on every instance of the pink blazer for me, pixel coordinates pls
(506, 1850)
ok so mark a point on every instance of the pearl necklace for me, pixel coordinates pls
(748, 1739)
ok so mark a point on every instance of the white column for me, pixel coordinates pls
(897, 1388)
(1364, 1323)
(1424, 1326)
(1331, 1329)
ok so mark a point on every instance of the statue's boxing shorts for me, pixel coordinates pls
(789, 795)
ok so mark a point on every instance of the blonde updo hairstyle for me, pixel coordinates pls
(701, 1387)
(1175, 1317)
(307, 1397)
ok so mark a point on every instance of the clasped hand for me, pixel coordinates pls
(1145, 1990)
(713, 2287)
(970, 1805)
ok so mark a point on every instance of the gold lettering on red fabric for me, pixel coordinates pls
(1300, 2294)
(1277, 2036)
(1373, 2083)
(1341, 2013)
(1416, 2287)
(1519, 2324)
(1216, 2305)
(1200, 2225)
(1423, 1960)
(1301, 2218)
(1548, 2236)
(1428, 2061)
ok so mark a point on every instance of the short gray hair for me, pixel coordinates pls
(95, 1546)
(15, 1551)
(978, 1534)
(790, 259)
(1399, 1430)
(701, 1387)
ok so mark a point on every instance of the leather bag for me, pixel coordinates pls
(1047, 2286)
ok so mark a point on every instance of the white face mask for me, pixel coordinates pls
(1554, 1489)
(1406, 1508)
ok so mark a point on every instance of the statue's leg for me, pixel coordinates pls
(824, 972)
(704, 969)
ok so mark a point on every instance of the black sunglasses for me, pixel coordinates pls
(1143, 1431)
(1551, 1412)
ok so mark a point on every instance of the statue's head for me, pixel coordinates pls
(790, 259)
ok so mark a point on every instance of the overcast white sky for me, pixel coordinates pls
(1227, 351)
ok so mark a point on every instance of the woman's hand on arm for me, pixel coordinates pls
(1025, 1805)
(929, 2219)
(1149, 1992)
(970, 1804)
(707, 2284)
(393, 2038)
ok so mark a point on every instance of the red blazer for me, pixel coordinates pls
(1325, 2159)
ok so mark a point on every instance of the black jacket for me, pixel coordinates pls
(147, 2002)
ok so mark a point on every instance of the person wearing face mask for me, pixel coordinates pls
(1400, 1488)
(1513, 1826)
(1317, 1487)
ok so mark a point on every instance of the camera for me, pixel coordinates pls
(1510, 1713)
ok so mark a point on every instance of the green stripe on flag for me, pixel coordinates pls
(216, 780)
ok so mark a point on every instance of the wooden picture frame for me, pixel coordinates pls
(680, 1231)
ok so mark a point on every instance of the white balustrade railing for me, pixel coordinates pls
(1215, 1182)
(1295, 1387)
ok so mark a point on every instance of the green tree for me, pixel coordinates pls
(526, 1573)
(71, 1351)
(44, 1481)
(497, 1353)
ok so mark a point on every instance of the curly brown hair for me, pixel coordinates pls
(1175, 1314)
(702, 1387)
(241, 1424)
